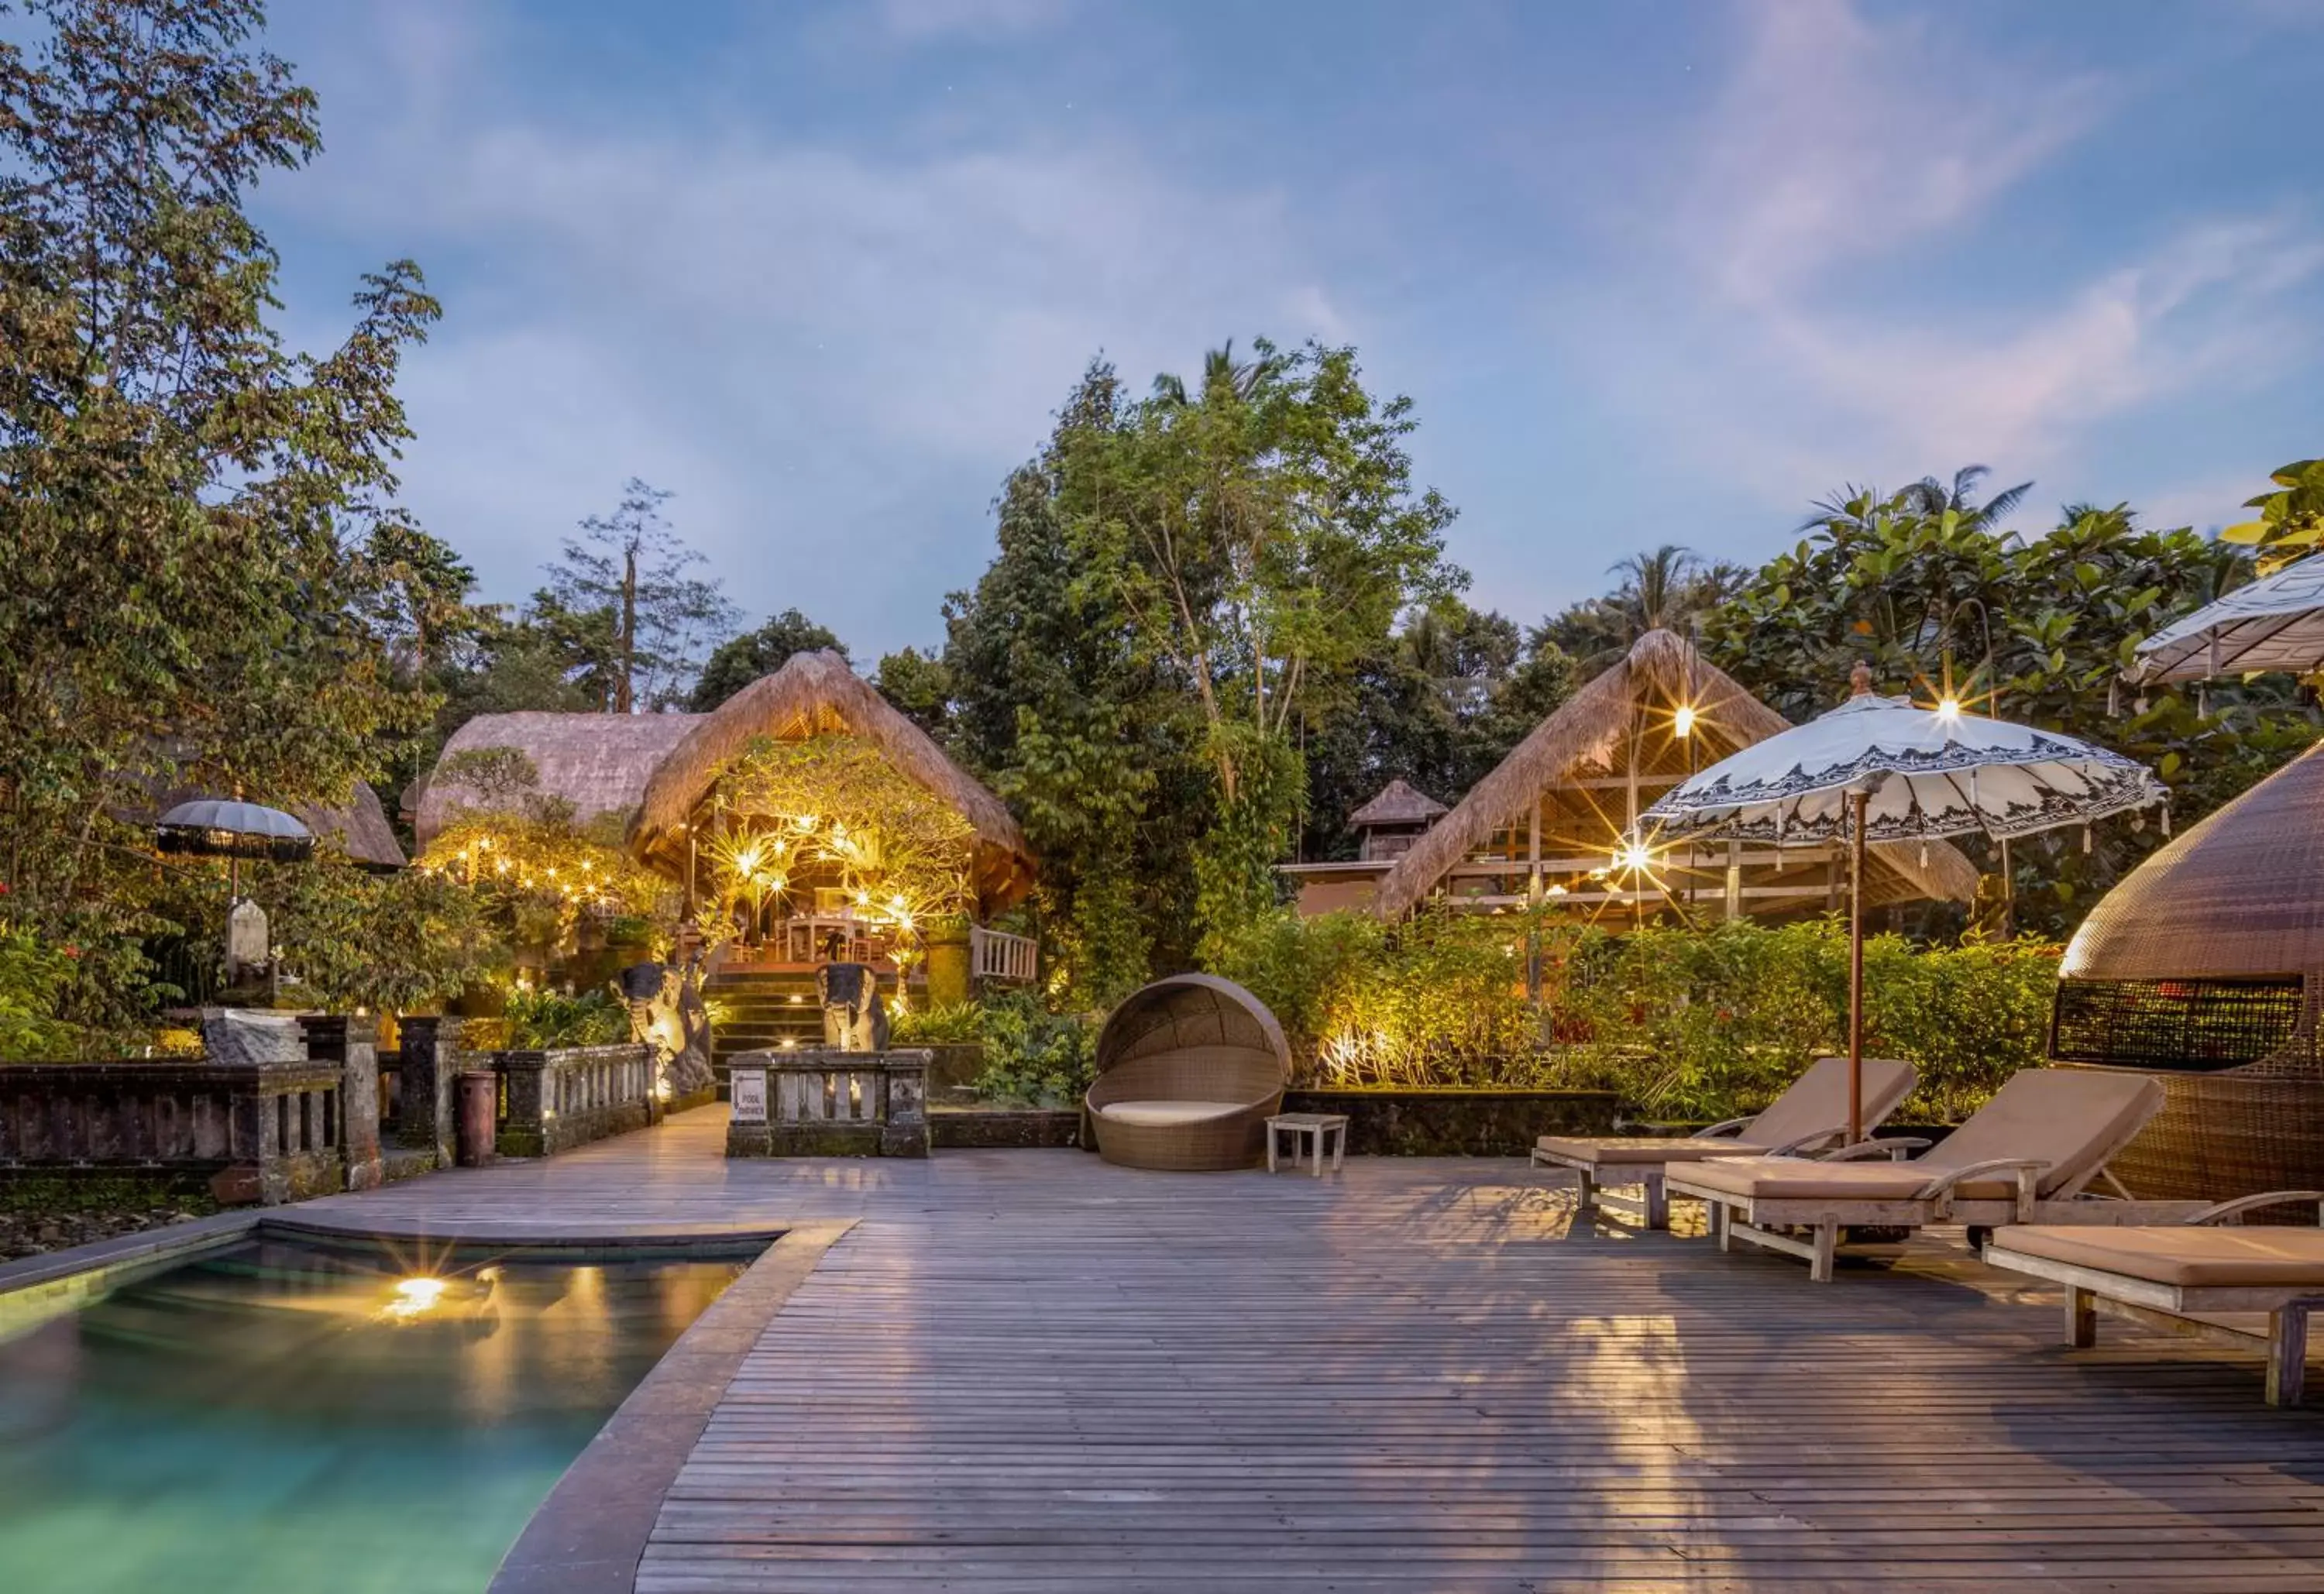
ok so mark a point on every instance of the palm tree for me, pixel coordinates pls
(1930, 497)
(1222, 372)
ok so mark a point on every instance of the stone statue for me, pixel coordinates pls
(666, 1012)
(855, 1018)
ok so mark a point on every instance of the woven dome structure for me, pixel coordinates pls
(1189, 1069)
(2206, 968)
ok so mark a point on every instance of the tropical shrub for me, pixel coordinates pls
(32, 978)
(1032, 1055)
(1686, 1023)
(538, 1020)
(944, 1024)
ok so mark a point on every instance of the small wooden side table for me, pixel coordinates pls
(1314, 1132)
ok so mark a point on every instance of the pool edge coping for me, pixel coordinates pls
(589, 1535)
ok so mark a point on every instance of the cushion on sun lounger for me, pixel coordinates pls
(1817, 1102)
(1611, 1149)
(1793, 1178)
(2070, 1119)
(1161, 1114)
(2191, 1256)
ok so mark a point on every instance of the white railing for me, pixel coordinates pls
(996, 954)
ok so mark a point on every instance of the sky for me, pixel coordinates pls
(1651, 273)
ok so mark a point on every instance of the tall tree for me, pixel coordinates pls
(738, 661)
(178, 492)
(1046, 692)
(1258, 536)
(630, 566)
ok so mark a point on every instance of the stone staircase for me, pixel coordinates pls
(757, 1009)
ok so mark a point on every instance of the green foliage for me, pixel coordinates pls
(1442, 704)
(392, 942)
(1667, 589)
(2291, 518)
(199, 521)
(942, 1024)
(738, 661)
(1685, 1024)
(1032, 1055)
(543, 1021)
(32, 978)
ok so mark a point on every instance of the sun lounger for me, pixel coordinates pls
(2022, 1157)
(1813, 1113)
(2232, 1285)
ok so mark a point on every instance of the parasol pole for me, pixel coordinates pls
(1856, 802)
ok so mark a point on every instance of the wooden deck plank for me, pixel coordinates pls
(1032, 1371)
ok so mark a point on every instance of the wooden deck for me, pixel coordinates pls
(1031, 1371)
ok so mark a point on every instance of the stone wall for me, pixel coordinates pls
(1459, 1123)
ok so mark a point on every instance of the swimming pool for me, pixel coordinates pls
(291, 1416)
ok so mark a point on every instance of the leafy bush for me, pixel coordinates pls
(538, 1020)
(944, 1024)
(1684, 1023)
(32, 978)
(1032, 1055)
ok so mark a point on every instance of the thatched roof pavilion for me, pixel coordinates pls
(813, 695)
(598, 762)
(1554, 810)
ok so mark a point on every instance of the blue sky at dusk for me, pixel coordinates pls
(1651, 273)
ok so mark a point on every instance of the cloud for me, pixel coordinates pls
(810, 341)
(915, 21)
(1836, 138)
(1779, 328)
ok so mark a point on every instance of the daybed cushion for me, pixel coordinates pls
(1793, 1178)
(2191, 1256)
(2072, 1119)
(1648, 1149)
(1164, 1114)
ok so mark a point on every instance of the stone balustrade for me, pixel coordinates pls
(553, 1101)
(822, 1102)
(241, 1133)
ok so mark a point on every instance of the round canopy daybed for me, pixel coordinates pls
(1190, 1068)
(2205, 969)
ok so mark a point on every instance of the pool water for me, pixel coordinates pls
(286, 1417)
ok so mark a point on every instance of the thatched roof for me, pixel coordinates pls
(813, 693)
(2239, 896)
(1397, 804)
(360, 827)
(1661, 670)
(598, 762)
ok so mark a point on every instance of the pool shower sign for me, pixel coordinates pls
(747, 1088)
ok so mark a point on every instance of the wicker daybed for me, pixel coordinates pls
(2204, 970)
(1189, 1070)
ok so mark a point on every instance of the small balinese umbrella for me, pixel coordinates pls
(2276, 622)
(218, 827)
(1888, 770)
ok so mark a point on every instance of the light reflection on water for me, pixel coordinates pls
(281, 1417)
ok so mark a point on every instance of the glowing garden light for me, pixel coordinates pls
(1683, 721)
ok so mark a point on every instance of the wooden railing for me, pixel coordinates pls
(996, 954)
(828, 1104)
